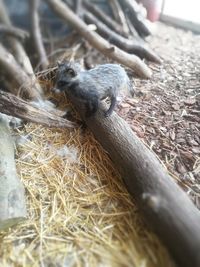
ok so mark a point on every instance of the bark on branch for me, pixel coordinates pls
(167, 209)
(17, 48)
(78, 7)
(12, 199)
(36, 33)
(13, 31)
(15, 45)
(111, 51)
(130, 46)
(119, 14)
(21, 82)
(131, 8)
(96, 11)
(16, 107)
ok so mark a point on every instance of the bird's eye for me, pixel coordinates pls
(71, 72)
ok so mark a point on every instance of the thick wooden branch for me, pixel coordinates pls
(21, 82)
(13, 31)
(131, 8)
(17, 48)
(36, 33)
(132, 29)
(16, 107)
(111, 51)
(118, 14)
(96, 11)
(130, 46)
(15, 45)
(12, 199)
(166, 208)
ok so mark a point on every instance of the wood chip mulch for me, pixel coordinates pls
(165, 112)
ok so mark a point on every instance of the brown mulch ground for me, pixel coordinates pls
(166, 110)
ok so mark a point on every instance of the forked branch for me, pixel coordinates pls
(111, 51)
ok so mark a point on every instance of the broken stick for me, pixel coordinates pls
(16, 107)
(166, 208)
(12, 199)
(111, 51)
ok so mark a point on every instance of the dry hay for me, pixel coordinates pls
(79, 212)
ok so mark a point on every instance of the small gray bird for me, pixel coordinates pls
(91, 86)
